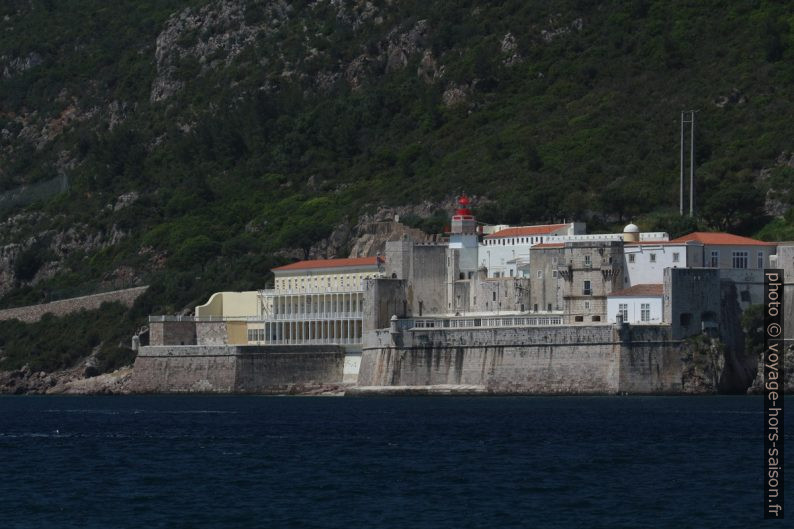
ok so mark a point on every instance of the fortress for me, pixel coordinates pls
(498, 309)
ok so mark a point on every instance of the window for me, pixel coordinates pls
(587, 261)
(535, 308)
(623, 311)
(587, 305)
(494, 295)
(645, 312)
(596, 318)
(579, 318)
(740, 259)
(554, 260)
(652, 257)
(760, 259)
(587, 290)
(631, 257)
(549, 307)
(540, 274)
(553, 273)
(511, 272)
(676, 257)
(715, 259)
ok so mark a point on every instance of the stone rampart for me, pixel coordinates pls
(33, 313)
(575, 359)
(236, 369)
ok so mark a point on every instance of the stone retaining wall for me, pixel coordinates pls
(33, 313)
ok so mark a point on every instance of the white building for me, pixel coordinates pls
(640, 304)
(646, 259)
(505, 253)
(725, 250)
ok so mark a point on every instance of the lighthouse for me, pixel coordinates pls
(463, 236)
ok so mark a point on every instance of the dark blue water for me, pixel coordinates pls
(275, 462)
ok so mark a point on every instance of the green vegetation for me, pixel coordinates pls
(58, 343)
(255, 154)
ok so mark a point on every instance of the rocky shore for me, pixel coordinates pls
(75, 381)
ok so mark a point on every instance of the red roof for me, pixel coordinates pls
(644, 290)
(717, 238)
(521, 231)
(329, 263)
(544, 245)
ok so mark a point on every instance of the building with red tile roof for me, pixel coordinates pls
(314, 264)
(640, 304)
(720, 239)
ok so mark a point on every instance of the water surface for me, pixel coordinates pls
(419, 462)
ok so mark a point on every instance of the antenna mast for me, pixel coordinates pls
(688, 116)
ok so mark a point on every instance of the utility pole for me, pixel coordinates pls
(681, 197)
(692, 163)
(688, 116)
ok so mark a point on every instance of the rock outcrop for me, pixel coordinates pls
(788, 376)
(70, 381)
(703, 361)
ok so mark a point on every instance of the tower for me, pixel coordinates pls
(463, 236)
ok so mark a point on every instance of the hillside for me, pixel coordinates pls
(203, 142)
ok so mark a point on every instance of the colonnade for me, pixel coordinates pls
(306, 331)
(321, 305)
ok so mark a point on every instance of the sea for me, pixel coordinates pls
(383, 462)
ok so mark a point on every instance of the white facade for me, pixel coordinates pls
(315, 302)
(645, 263)
(505, 252)
(636, 310)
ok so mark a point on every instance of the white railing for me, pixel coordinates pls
(355, 289)
(307, 316)
(259, 319)
(308, 341)
(487, 322)
(163, 318)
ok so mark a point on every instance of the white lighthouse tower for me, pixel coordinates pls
(463, 236)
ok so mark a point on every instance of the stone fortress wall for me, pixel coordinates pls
(236, 369)
(569, 359)
(33, 313)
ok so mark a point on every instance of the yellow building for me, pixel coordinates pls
(230, 305)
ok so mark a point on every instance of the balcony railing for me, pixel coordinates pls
(306, 316)
(308, 341)
(303, 316)
(357, 289)
(489, 322)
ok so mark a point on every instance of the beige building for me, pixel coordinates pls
(312, 302)
(231, 305)
(319, 301)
